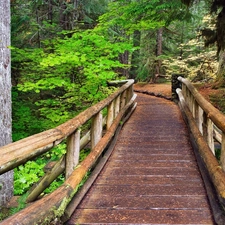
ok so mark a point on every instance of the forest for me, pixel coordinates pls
(63, 53)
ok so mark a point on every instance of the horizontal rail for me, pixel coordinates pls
(213, 113)
(53, 205)
(19, 152)
(210, 121)
(207, 124)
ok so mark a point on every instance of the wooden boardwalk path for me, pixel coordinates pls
(152, 175)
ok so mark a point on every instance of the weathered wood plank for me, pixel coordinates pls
(149, 202)
(153, 217)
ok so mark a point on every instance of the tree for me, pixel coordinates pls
(158, 62)
(215, 35)
(36, 21)
(137, 18)
(6, 180)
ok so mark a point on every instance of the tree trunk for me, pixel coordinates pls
(158, 62)
(135, 55)
(220, 77)
(124, 59)
(62, 16)
(6, 180)
(38, 32)
(50, 11)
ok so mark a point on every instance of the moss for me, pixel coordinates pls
(218, 100)
(4, 213)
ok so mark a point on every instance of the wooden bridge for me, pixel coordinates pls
(152, 165)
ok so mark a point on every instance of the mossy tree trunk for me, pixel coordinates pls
(6, 180)
(220, 78)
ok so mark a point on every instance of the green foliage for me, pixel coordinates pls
(30, 173)
(4, 213)
(65, 77)
(56, 153)
(84, 153)
(25, 176)
(55, 184)
(26, 120)
(56, 83)
(35, 21)
(21, 204)
(189, 55)
(143, 15)
(218, 153)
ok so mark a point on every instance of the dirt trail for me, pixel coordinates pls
(156, 89)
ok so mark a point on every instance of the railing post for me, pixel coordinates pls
(175, 84)
(188, 99)
(96, 129)
(130, 93)
(192, 105)
(200, 119)
(73, 152)
(117, 106)
(123, 99)
(207, 127)
(210, 139)
(222, 156)
(195, 111)
(184, 91)
(110, 115)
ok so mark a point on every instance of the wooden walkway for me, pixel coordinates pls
(152, 175)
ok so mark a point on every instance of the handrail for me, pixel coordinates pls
(15, 154)
(206, 124)
(210, 121)
(28, 148)
(213, 113)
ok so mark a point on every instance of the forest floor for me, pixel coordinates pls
(215, 96)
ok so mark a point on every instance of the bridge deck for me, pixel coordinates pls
(152, 175)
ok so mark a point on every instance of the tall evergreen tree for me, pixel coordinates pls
(137, 17)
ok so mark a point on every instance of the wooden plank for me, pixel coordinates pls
(148, 180)
(149, 202)
(168, 158)
(153, 217)
(146, 190)
(146, 164)
(151, 171)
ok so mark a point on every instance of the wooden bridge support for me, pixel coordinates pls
(175, 84)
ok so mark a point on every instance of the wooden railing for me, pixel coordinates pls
(207, 126)
(53, 205)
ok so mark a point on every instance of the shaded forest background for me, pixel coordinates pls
(65, 51)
